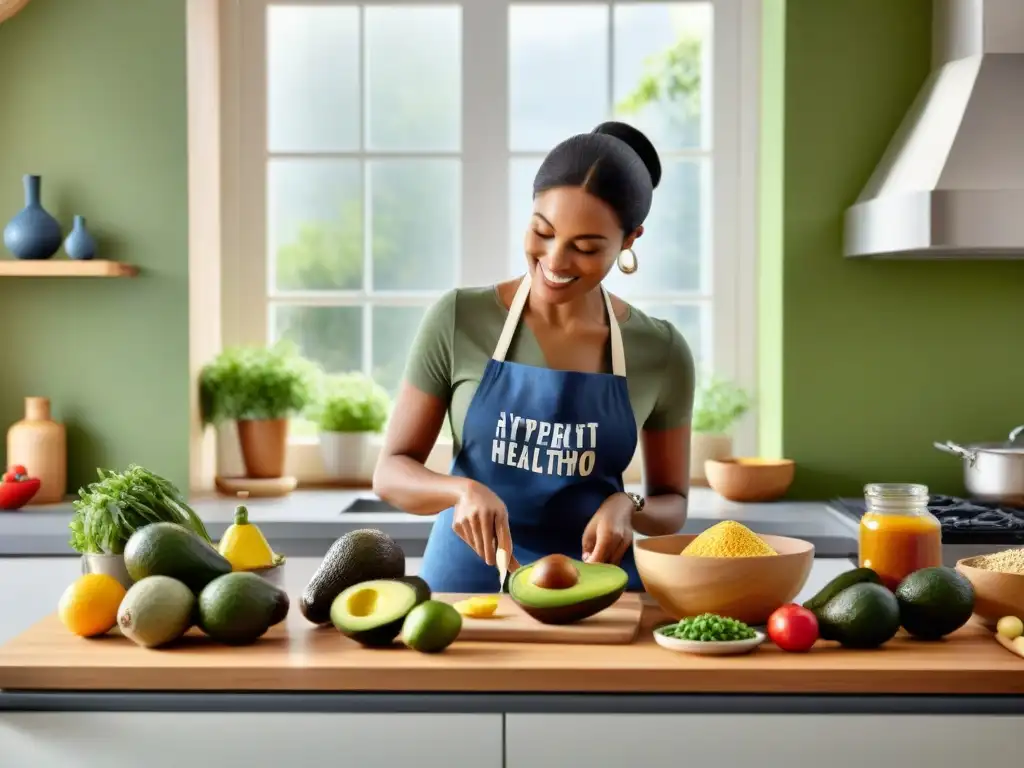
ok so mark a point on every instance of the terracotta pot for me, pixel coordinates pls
(40, 444)
(704, 446)
(264, 445)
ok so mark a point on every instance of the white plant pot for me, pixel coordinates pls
(111, 565)
(346, 456)
(704, 446)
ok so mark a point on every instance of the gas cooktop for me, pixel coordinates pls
(964, 521)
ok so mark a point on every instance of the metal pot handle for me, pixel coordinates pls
(958, 450)
(1015, 433)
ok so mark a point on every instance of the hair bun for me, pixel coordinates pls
(638, 142)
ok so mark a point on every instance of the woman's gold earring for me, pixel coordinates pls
(627, 264)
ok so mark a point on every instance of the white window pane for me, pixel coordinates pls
(312, 78)
(521, 171)
(394, 330)
(691, 321)
(413, 78)
(669, 253)
(331, 336)
(315, 224)
(661, 61)
(415, 217)
(558, 73)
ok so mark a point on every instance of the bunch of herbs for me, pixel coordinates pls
(111, 509)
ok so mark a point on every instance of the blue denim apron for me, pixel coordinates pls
(552, 445)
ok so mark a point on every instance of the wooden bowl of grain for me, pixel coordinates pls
(998, 581)
(744, 588)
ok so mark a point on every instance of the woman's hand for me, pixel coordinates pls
(609, 533)
(481, 521)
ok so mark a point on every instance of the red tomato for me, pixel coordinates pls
(793, 628)
(18, 469)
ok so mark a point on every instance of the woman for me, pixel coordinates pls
(543, 419)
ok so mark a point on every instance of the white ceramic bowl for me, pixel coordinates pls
(274, 574)
(709, 648)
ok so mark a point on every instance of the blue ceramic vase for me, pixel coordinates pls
(79, 243)
(33, 233)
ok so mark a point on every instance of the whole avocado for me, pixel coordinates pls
(935, 602)
(363, 555)
(865, 615)
(239, 607)
(169, 549)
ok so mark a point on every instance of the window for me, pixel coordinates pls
(387, 151)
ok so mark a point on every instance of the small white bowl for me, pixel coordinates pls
(710, 648)
(274, 574)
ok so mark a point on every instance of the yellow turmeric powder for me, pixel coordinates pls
(728, 539)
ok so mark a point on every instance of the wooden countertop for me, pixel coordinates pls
(296, 656)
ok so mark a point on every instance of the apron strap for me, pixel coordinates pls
(618, 352)
(512, 321)
(515, 312)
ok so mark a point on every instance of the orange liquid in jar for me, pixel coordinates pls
(895, 546)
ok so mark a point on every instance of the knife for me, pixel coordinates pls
(502, 560)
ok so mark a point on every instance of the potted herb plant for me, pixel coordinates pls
(260, 389)
(352, 408)
(718, 405)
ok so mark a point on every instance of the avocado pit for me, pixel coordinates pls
(554, 572)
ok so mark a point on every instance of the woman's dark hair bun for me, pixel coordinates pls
(615, 163)
(638, 142)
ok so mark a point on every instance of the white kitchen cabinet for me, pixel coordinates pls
(218, 740)
(836, 741)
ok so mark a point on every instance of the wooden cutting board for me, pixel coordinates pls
(617, 624)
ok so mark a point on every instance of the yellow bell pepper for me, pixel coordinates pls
(244, 545)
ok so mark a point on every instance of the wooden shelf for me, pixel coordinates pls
(65, 268)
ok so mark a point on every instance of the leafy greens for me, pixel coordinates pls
(110, 510)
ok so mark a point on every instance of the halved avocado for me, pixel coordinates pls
(577, 590)
(372, 612)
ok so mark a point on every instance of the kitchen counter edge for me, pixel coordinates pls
(511, 703)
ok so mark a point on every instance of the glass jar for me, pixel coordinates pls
(898, 535)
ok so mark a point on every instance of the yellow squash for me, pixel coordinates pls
(244, 545)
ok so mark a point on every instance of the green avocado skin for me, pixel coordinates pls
(238, 608)
(169, 549)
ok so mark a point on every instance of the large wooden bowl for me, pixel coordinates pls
(995, 594)
(745, 588)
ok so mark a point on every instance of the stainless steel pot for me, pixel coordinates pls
(993, 471)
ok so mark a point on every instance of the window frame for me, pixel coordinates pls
(239, 193)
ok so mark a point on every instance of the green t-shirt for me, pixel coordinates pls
(459, 332)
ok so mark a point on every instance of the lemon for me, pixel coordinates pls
(89, 605)
(1010, 627)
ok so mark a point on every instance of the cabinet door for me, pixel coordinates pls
(286, 740)
(838, 741)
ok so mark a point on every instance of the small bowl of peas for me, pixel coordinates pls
(709, 635)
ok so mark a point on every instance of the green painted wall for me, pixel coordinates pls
(92, 98)
(880, 358)
(770, 219)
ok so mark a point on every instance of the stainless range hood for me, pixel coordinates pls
(951, 182)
